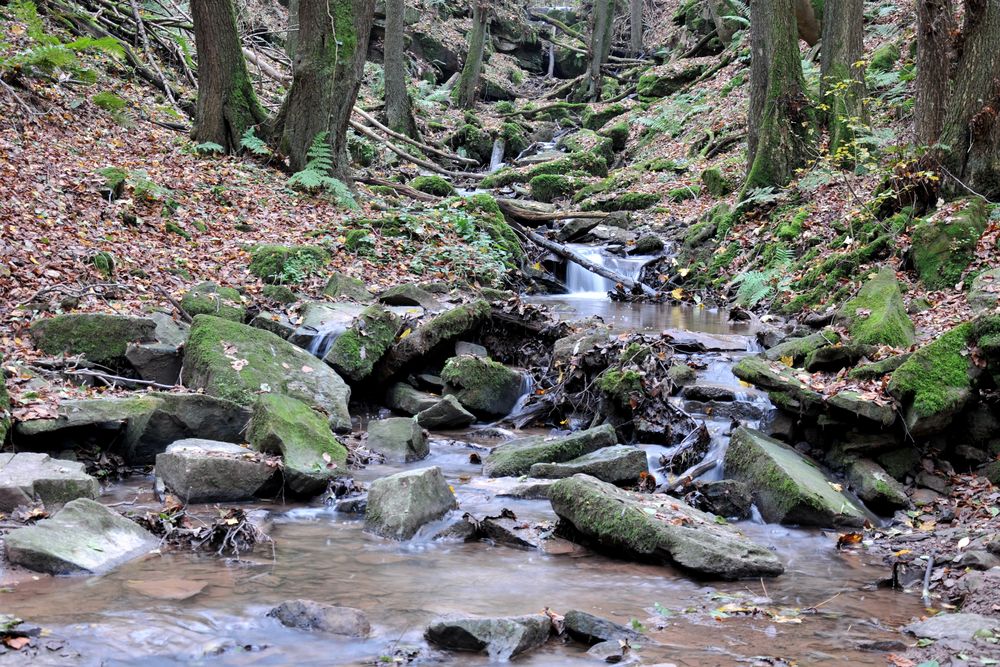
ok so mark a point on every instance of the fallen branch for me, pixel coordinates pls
(525, 214)
(118, 379)
(426, 164)
(687, 477)
(402, 137)
(173, 302)
(399, 187)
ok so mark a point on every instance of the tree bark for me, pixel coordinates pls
(292, 33)
(780, 123)
(398, 110)
(635, 26)
(326, 73)
(600, 45)
(935, 26)
(468, 84)
(227, 104)
(842, 82)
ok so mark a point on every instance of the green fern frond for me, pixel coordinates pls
(251, 142)
(208, 147)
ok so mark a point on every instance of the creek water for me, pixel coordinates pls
(127, 618)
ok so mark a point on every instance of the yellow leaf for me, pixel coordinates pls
(835, 486)
(405, 333)
(683, 272)
(232, 521)
(677, 293)
(788, 360)
(537, 266)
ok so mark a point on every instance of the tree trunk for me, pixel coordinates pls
(842, 82)
(780, 123)
(635, 26)
(227, 104)
(935, 25)
(326, 73)
(468, 84)
(600, 45)
(292, 33)
(807, 22)
(398, 111)
(971, 130)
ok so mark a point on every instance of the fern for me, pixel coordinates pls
(316, 176)
(251, 142)
(208, 147)
(754, 287)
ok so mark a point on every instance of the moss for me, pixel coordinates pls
(791, 229)
(877, 369)
(595, 119)
(504, 107)
(174, 228)
(503, 177)
(682, 194)
(884, 58)
(716, 182)
(935, 379)
(356, 351)
(618, 134)
(586, 162)
(515, 139)
(343, 285)
(797, 349)
(98, 337)
(621, 385)
(490, 218)
(943, 249)
(476, 142)
(619, 525)
(482, 384)
(4, 405)
(279, 294)
(588, 141)
(278, 263)
(629, 201)
(433, 185)
(877, 316)
(357, 239)
(210, 299)
(549, 187)
(681, 374)
(663, 164)
(517, 457)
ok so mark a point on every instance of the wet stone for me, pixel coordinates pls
(321, 617)
(501, 638)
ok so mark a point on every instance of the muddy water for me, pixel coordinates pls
(326, 556)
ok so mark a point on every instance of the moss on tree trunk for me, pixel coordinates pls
(842, 83)
(468, 83)
(600, 45)
(398, 110)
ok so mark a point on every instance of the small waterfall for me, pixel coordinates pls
(581, 281)
(323, 340)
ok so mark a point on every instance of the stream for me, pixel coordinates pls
(127, 617)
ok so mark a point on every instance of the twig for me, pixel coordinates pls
(180, 309)
(107, 377)
(426, 164)
(926, 593)
(402, 137)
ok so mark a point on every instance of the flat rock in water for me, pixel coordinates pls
(447, 413)
(206, 471)
(398, 505)
(658, 528)
(502, 638)
(590, 629)
(516, 457)
(696, 341)
(171, 588)
(83, 537)
(26, 477)
(529, 489)
(953, 626)
(787, 487)
(403, 398)
(322, 617)
(398, 439)
(619, 464)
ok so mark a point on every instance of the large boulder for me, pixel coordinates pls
(236, 362)
(348, 287)
(516, 457)
(322, 617)
(320, 323)
(942, 246)
(877, 315)
(207, 471)
(398, 439)
(210, 299)
(160, 361)
(657, 528)
(787, 487)
(99, 338)
(619, 464)
(954, 627)
(356, 351)
(482, 386)
(28, 477)
(985, 291)
(283, 263)
(797, 349)
(436, 332)
(83, 537)
(312, 454)
(409, 295)
(446, 413)
(408, 400)
(665, 80)
(398, 505)
(502, 638)
(580, 343)
(781, 383)
(875, 486)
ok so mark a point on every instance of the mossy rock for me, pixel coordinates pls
(280, 294)
(628, 201)
(647, 244)
(877, 315)
(236, 362)
(343, 285)
(797, 349)
(312, 454)
(99, 338)
(490, 219)
(685, 193)
(621, 386)
(549, 187)
(432, 335)
(884, 58)
(876, 487)
(433, 185)
(667, 79)
(935, 382)
(482, 386)
(478, 143)
(515, 139)
(787, 487)
(878, 369)
(517, 456)
(661, 164)
(209, 299)
(985, 291)
(715, 182)
(618, 134)
(943, 248)
(586, 162)
(596, 117)
(781, 384)
(283, 263)
(356, 351)
(585, 141)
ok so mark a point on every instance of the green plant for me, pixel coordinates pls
(251, 142)
(208, 148)
(756, 286)
(105, 263)
(108, 101)
(315, 176)
(143, 187)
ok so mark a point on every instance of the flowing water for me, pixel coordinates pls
(323, 555)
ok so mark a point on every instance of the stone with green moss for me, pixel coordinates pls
(549, 187)
(398, 439)
(877, 488)
(878, 369)
(797, 349)
(99, 338)
(586, 162)
(877, 315)
(349, 287)
(433, 335)
(621, 385)
(588, 141)
(647, 244)
(482, 386)
(286, 264)
(900, 462)
(356, 351)
(595, 117)
(685, 193)
(280, 294)
(515, 139)
(935, 383)
(491, 220)
(985, 291)
(627, 201)
(433, 185)
(715, 182)
(787, 487)
(237, 362)
(681, 374)
(618, 464)
(516, 457)
(210, 299)
(398, 505)
(942, 249)
(781, 384)
(409, 294)
(285, 426)
(884, 58)
(618, 134)
(667, 79)
(658, 529)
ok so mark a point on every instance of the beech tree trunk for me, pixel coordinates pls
(227, 104)
(398, 110)
(935, 25)
(468, 84)
(780, 122)
(292, 33)
(842, 82)
(600, 45)
(329, 62)
(635, 27)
